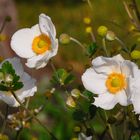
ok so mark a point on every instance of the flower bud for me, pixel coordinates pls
(102, 31)
(110, 36)
(64, 38)
(87, 20)
(8, 78)
(88, 29)
(70, 102)
(75, 93)
(135, 54)
(77, 129)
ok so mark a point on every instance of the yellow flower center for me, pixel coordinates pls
(41, 44)
(115, 82)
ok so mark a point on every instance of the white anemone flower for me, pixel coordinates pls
(37, 44)
(135, 91)
(82, 136)
(27, 90)
(110, 78)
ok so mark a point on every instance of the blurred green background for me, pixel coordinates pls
(67, 15)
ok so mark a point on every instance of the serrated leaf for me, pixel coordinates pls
(91, 50)
(17, 85)
(69, 79)
(3, 88)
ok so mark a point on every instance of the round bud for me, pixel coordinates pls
(135, 54)
(88, 29)
(75, 93)
(70, 102)
(64, 38)
(110, 36)
(87, 20)
(102, 31)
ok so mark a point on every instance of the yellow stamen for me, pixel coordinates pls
(115, 82)
(41, 44)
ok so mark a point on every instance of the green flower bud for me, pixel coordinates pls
(135, 54)
(70, 102)
(75, 93)
(110, 36)
(64, 38)
(77, 129)
(102, 31)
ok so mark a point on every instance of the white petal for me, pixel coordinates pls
(129, 68)
(8, 98)
(94, 82)
(135, 93)
(106, 65)
(29, 87)
(46, 25)
(122, 98)
(36, 30)
(106, 101)
(21, 43)
(82, 136)
(118, 58)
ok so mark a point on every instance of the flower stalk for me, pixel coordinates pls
(33, 116)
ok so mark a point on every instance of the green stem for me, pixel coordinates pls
(109, 126)
(18, 134)
(123, 45)
(136, 9)
(104, 47)
(33, 116)
(77, 42)
(5, 119)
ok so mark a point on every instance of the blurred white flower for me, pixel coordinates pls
(37, 44)
(135, 91)
(82, 136)
(27, 90)
(110, 79)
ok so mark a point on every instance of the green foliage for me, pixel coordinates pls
(62, 77)
(79, 115)
(91, 50)
(10, 79)
(135, 137)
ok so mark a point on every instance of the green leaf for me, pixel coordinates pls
(3, 88)
(133, 47)
(69, 79)
(17, 85)
(62, 77)
(135, 137)
(79, 115)
(7, 69)
(91, 50)
(92, 111)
